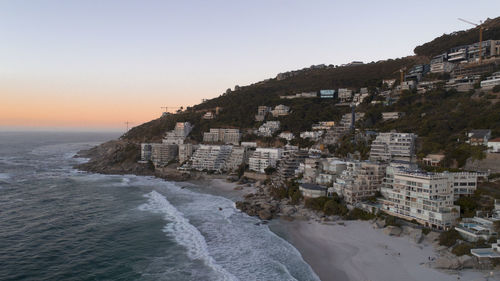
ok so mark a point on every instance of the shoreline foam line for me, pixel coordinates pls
(184, 232)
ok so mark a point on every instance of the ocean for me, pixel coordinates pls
(59, 223)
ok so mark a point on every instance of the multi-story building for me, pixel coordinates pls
(494, 145)
(393, 146)
(424, 197)
(313, 135)
(210, 157)
(344, 126)
(440, 64)
(359, 181)
(327, 94)
(263, 158)
(286, 135)
(290, 162)
(491, 81)
(345, 95)
(237, 157)
(262, 111)
(185, 152)
(228, 136)
(280, 110)
(269, 128)
(311, 169)
(462, 184)
(158, 153)
(178, 134)
(480, 227)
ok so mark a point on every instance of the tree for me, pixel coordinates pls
(269, 170)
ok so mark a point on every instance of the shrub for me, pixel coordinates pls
(496, 89)
(332, 207)
(358, 214)
(426, 230)
(316, 204)
(462, 249)
(449, 238)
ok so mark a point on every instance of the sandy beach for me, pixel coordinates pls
(359, 252)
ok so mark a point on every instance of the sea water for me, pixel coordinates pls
(58, 223)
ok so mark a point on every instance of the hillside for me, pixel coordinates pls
(439, 117)
(447, 41)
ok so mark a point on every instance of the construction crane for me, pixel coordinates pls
(481, 28)
(169, 107)
(128, 123)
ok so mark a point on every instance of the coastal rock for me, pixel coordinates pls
(392, 230)
(431, 237)
(466, 261)
(415, 235)
(379, 223)
(265, 215)
(288, 210)
(447, 263)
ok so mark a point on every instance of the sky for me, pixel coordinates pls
(93, 65)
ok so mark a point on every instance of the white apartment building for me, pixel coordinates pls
(424, 197)
(313, 135)
(286, 135)
(158, 153)
(228, 136)
(185, 152)
(237, 157)
(494, 145)
(393, 146)
(210, 157)
(462, 184)
(269, 128)
(345, 95)
(491, 81)
(280, 110)
(263, 158)
(178, 134)
(359, 181)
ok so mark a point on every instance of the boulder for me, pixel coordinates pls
(415, 235)
(392, 230)
(265, 215)
(288, 210)
(447, 263)
(379, 223)
(466, 261)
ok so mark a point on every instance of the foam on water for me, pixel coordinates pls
(4, 176)
(184, 233)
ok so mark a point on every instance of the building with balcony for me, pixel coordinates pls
(280, 110)
(227, 136)
(178, 134)
(345, 95)
(424, 197)
(210, 157)
(310, 190)
(160, 154)
(391, 115)
(268, 129)
(263, 158)
(491, 81)
(393, 146)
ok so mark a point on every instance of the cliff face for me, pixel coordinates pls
(114, 157)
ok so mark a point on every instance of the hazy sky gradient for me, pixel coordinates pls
(96, 64)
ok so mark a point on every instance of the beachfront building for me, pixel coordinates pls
(269, 128)
(227, 136)
(480, 227)
(210, 157)
(290, 162)
(178, 134)
(160, 154)
(393, 146)
(185, 152)
(280, 110)
(421, 196)
(237, 157)
(310, 190)
(359, 181)
(263, 158)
